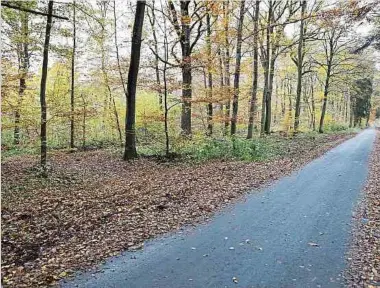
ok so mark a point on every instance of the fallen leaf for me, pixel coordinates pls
(313, 244)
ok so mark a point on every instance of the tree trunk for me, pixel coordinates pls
(186, 70)
(235, 103)
(186, 96)
(43, 88)
(290, 108)
(367, 119)
(130, 132)
(266, 70)
(209, 72)
(111, 98)
(351, 124)
(306, 96)
(300, 55)
(272, 48)
(166, 111)
(268, 100)
(84, 121)
(252, 106)
(312, 106)
(263, 103)
(116, 114)
(276, 103)
(283, 98)
(325, 93)
(347, 107)
(23, 70)
(221, 77)
(227, 82)
(72, 96)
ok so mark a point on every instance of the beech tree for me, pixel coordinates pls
(72, 93)
(209, 72)
(227, 80)
(239, 37)
(43, 87)
(278, 16)
(299, 64)
(331, 47)
(130, 129)
(252, 106)
(184, 30)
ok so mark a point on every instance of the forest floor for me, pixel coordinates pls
(364, 257)
(94, 205)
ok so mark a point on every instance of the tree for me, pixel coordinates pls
(184, 34)
(20, 36)
(24, 67)
(130, 130)
(265, 54)
(227, 80)
(253, 100)
(237, 68)
(331, 46)
(209, 73)
(361, 101)
(43, 87)
(337, 47)
(165, 85)
(166, 108)
(300, 63)
(277, 43)
(72, 94)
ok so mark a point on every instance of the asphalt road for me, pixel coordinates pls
(291, 234)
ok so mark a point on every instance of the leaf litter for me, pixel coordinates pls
(364, 255)
(94, 205)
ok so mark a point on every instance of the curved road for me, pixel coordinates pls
(292, 234)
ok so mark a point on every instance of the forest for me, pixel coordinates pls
(160, 77)
(204, 98)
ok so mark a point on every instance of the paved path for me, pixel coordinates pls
(313, 205)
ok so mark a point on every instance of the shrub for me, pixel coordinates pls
(334, 127)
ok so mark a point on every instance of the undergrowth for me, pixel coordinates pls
(199, 148)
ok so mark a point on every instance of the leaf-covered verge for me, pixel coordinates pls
(94, 205)
(364, 256)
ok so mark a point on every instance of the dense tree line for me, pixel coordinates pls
(182, 69)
